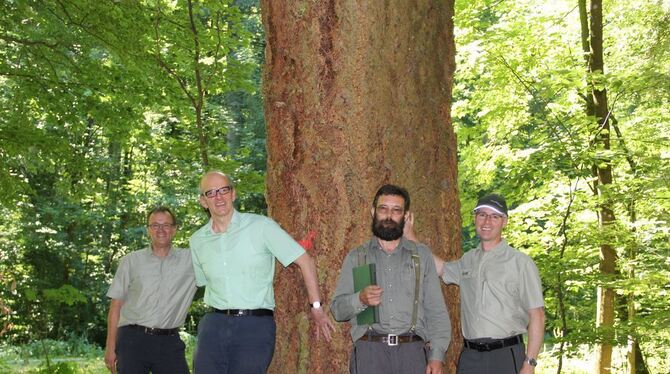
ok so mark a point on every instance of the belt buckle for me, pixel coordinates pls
(392, 339)
(240, 312)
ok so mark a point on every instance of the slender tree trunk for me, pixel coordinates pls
(636, 364)
(357, 94)
(560, 296)
(603, 168)
(196, 95)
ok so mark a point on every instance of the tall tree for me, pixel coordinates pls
(357, 94)
(597, 107)
(522, 86)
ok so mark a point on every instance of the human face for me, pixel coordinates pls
(388, 217)
(161, 229)
(489, 225)
(221, 204)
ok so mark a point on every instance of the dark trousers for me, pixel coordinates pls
(508, 360)
(140, 353)
(376, 357)
(234, 344)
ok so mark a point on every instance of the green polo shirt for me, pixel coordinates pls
(156, 291)
(237, 266)
(498, 287)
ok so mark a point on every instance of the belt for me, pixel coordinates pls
(245, 312)
(494, 344)
(391, 339)
(154, 331)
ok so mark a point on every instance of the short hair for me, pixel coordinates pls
(219, 173)
(392, 189)
(162, 209)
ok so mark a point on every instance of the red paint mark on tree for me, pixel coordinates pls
(308, 241)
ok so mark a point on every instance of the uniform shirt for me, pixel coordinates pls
(396, 277)
(156, 292)
(498, 287)
(237, 266)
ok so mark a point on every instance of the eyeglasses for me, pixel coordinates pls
(158, 226)
(225, 190)
(483, 216)
(395, 211)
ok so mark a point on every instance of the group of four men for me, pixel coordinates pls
(233, 257)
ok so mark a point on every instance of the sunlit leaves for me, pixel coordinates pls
(519, 113)
(95, 132)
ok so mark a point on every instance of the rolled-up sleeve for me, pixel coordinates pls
(451, 272)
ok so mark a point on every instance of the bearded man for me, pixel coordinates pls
(411, 308)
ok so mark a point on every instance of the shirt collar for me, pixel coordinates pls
(403, 244)
(498, 250)
(234, 222)
(150, 252)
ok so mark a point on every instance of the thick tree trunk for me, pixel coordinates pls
(357, 94)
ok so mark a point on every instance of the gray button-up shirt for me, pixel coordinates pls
(156, 292)
(396, 277)
(498, 288)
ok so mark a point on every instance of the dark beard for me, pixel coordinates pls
(388, 229)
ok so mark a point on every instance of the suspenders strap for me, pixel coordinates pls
(362, 260)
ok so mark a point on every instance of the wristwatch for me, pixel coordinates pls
(315, 305)
(531, 361)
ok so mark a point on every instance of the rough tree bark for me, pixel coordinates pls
(356, 94)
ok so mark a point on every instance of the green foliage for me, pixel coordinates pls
(519, 113)
(65, 294)
(98, 127)
(72, 355)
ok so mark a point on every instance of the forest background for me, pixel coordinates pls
(110, 108)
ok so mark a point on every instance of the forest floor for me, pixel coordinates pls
(582, 362)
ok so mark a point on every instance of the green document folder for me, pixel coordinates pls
(366, 275)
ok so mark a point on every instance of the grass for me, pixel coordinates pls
(583, 361)
(76, 356)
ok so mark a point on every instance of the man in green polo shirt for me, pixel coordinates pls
(151, 293)
(234, 258)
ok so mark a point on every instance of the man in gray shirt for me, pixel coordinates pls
(151, 293)
(408, 296)
(501, 297)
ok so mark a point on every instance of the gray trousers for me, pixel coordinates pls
(375, 357)
(507, 360)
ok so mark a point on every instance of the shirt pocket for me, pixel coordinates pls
(502, 282)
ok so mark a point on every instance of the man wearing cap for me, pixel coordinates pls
(151, 293)
(407, 295)
(501, 298)
(234, 258)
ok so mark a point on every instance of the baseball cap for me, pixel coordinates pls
(492, 201)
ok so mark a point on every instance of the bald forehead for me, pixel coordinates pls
(216, 178)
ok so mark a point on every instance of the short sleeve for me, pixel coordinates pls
(200, 278)
(280, 243)
(530, 287)
(451, 272)
(119, 287)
